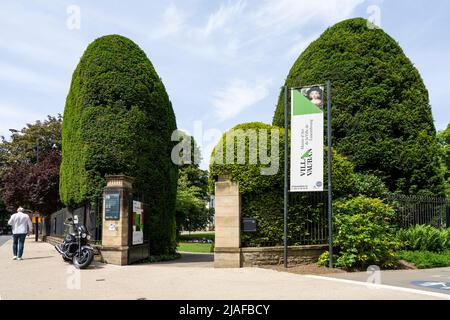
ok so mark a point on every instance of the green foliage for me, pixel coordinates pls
(192, 193)
(369, 185)
(29, 166)
(424, 238)
(444, 146)
(382, 118)
(262, 195)
(426, 259)
(190, 210)
(118, 120)
(197, 236)
(364, 236)
(27, 144)
(324, 259)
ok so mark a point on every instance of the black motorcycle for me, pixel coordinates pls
(76, 248)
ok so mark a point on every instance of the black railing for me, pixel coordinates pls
(307, 219)
(308, 212)
(419, 210)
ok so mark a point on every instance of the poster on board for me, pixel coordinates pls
(307, 139)
(138, 223)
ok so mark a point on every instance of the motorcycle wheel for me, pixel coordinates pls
(85, 260)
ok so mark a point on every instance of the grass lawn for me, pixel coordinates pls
(194, 247)
(426, 259)
(207, 235)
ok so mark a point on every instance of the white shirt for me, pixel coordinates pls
(20, 222)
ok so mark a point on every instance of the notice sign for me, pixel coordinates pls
(112, 206)
(138, 223)
(307, 129)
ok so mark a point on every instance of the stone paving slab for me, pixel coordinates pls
(44, 275)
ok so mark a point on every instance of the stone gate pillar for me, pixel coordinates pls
(117, 201)
(227, 250)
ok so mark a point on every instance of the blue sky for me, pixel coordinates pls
(222, 62)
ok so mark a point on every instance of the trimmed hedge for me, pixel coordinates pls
(262, 195)
(382, 117)
(118, 120)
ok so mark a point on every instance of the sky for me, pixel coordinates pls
(222, 62)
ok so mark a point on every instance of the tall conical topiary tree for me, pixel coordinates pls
(118, 120)
(382, 118)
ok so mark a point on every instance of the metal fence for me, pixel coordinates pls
(307, 219)
(89, 215)
(308, 216)
(420, 210)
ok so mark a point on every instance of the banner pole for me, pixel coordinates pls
(330, 178)
(286, 159)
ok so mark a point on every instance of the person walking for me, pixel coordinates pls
(21, 225)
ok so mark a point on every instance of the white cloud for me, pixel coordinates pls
(238, 96)
(33, 80)
(224, 15)
(238, 26)
(286, 14)
(14, 117)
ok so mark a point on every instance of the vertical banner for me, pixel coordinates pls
(138, 223)
(307, 141)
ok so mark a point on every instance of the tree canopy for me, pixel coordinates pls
(118, 119)
(444, 144)
(29, 166)
(382, 118)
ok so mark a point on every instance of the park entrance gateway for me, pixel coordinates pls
(124, 238)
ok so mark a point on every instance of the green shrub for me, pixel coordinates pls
(118, 119)
(424, 238)
(363, 233)
(324, 259)
(426, 259)
(262, 195)
(369, 185)
(382, 117)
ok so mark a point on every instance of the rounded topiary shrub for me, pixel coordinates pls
(262, 194)
(382, 117)
(118, 120)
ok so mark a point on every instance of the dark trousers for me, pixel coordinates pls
(18, 244)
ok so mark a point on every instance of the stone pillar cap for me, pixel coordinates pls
(119, 180)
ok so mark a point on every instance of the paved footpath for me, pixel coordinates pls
(43, 275)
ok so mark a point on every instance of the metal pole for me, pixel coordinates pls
(286, 159)
(330, 179)
(36, 227)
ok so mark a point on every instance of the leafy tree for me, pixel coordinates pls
(382, 119)
(31, 143)
(34, 186)
(191, 211)
(444, 144)
(192, 192)
(29, 166)
(118, 119)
